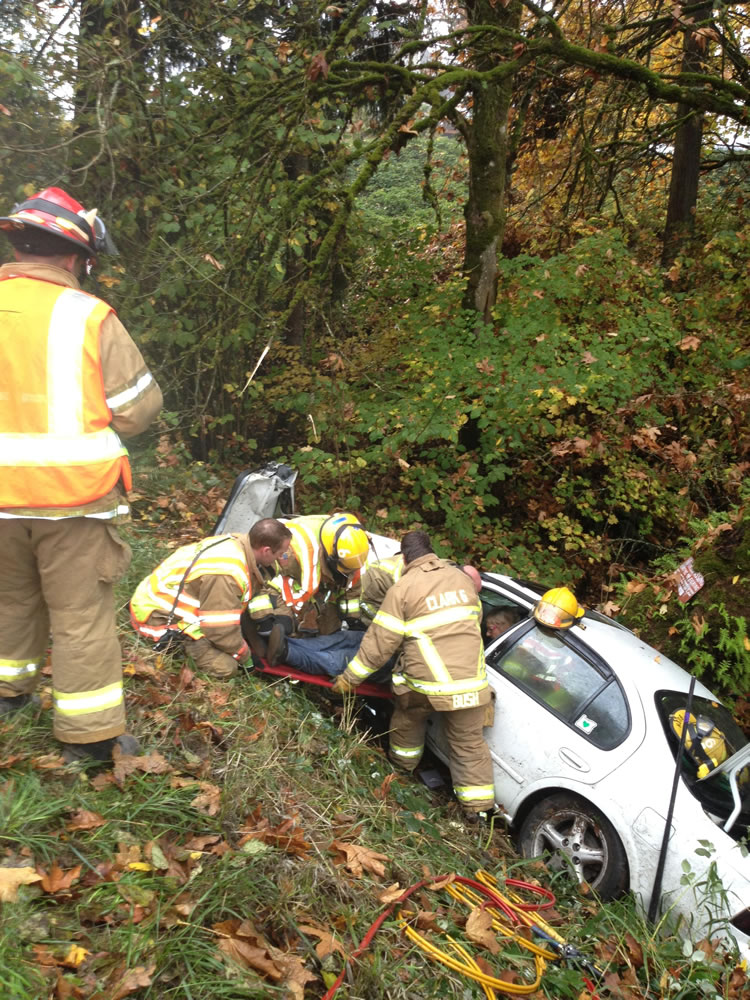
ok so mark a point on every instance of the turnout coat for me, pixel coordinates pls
(432, 613)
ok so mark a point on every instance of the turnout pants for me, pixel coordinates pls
(470, 761)
(201, 651)
(58, 576)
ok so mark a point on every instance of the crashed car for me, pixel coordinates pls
(584, 743)
(584, 747)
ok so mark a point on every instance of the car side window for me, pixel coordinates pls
(556, 675)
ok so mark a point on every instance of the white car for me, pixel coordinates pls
(584, 753)
(584, 758)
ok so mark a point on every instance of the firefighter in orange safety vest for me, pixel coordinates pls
(72, 384)
(432, 614)
(318, 582)
(201, 591)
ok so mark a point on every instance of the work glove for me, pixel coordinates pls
(342, 686)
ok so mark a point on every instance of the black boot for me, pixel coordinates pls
(252, 636)
(278, 649)
(100, 750)
(10, 705)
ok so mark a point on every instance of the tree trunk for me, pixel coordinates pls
(686, 159)
(487, 149)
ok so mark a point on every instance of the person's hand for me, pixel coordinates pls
(342, 686)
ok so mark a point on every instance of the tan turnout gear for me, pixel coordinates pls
(377, 580)
(432, 614)
(60, 560)
(201, 591)
(304, 583)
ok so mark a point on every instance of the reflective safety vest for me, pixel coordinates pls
(310, 555)
(56, 446)
(157, 592)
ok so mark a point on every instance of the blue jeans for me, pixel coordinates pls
(329, 654)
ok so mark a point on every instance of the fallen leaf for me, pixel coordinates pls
(359, 859)
(326, 945)
(12, 878)
(689, 343)
(57, 880)
(382, 792)
(75, 957)
(391, 894)
(287, 837)
(48, 762)
(122, 984)
(208, 799)
(153, 763)
(242, 943)
(479, 930)
(83, 819)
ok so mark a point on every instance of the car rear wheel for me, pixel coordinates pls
(573, 835)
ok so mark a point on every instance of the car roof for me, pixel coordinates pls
(634, 661)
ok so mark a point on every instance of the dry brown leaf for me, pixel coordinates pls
(242, 943)
(359, 858)
(208, 799)
(427, 920)
(83, 819)
(152, 763)
(295, 973)
(382, 792)
(326, 945)
(479, 930)
(201, 843)
(9, 761)
(440, 883)
(48, 762)
(391, 894)
(122, 984)
(12, 878)
(635, 951)
(56, 880)
(286, 837)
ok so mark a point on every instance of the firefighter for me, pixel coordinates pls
(432, 615)
(72, 383)
(319, 579)
(200, 592)
(330, 654)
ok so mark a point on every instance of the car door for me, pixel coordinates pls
(561, 716)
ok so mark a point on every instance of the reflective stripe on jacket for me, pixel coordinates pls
(56, 443)
(303, 573)
(216, 590)
(377, 580)
(433, 614)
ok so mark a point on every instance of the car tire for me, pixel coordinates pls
(571, 834)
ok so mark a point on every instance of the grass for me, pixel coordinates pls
(230, 853)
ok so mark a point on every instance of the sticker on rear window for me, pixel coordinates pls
(585, 724)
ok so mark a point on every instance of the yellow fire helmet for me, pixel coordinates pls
(558, 608)
(705, 743)
(345, 543)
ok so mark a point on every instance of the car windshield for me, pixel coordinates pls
(712, 737)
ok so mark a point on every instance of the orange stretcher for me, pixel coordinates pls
(321, 680)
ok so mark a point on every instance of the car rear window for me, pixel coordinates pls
(578, 691)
